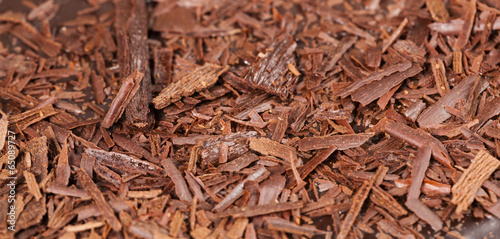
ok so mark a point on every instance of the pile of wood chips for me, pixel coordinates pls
(249, 118)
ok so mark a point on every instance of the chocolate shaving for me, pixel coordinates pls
(464, 35)
(279, 224)
(418, 138)
(124, 162)
(236, 142)
(342, 142)
(201, 78)
(375, 76)
(270, 73)
(420, 165)
(131, 26)
(425, 213)
(239, 163)
(181, 188)
(251, 211)
(437, 113)
(471, 180)
(269, 147)
(128, 89)
(438, 10)
(237, 191)
(98, 198)
(387, 201)
(132, 147)
(357, 202)
(370, 92)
